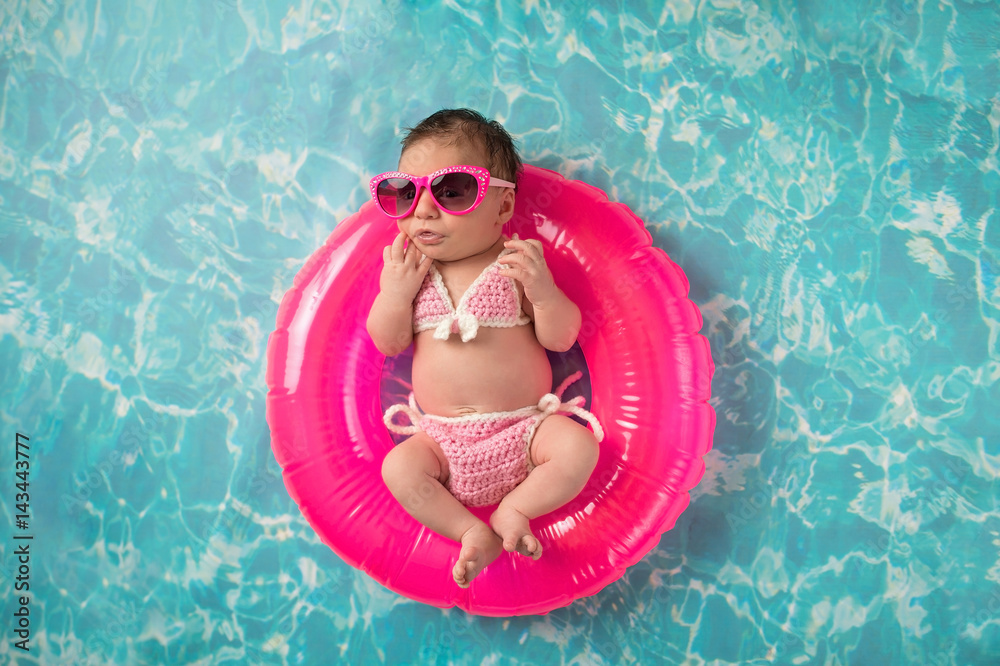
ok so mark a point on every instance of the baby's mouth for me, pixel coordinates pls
(428, 237)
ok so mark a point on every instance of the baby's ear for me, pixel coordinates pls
(507, 205)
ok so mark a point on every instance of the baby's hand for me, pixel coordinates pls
(527, 265)
(403, 270)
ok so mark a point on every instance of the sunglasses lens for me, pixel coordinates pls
(455, 191)
(395, 195)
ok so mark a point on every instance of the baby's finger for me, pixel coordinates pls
(414, 257)
(513, 260)
(530, 262)
(424, 265)
(536, 247)
(532, 248)
(523, 266)
(515, 272)
(399, 246)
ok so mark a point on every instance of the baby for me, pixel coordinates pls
(480, 310)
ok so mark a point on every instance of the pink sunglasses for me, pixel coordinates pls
(456, 189)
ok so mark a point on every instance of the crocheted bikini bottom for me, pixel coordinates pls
(488, 453)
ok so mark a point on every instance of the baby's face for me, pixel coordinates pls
(442, 235)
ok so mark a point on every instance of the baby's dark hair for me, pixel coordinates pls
(453, 124)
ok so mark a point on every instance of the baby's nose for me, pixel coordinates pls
(425, 204)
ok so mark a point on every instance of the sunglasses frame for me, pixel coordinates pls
(484, 181)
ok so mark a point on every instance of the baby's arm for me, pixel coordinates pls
(557, 319)
(390, 321)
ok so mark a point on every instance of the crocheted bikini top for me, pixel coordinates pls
(491, 300)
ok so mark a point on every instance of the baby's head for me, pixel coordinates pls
(472, 131)
(459, 214)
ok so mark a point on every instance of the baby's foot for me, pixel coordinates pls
(480, 546)
(513, 528)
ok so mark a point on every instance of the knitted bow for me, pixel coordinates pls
(465, 323)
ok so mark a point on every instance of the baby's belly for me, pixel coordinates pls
(501, 369)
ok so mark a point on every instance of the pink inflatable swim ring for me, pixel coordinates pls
(650, 375)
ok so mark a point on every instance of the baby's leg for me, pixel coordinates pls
(564, 454)
(415, 472)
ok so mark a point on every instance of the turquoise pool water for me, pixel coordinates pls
(825, 173)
